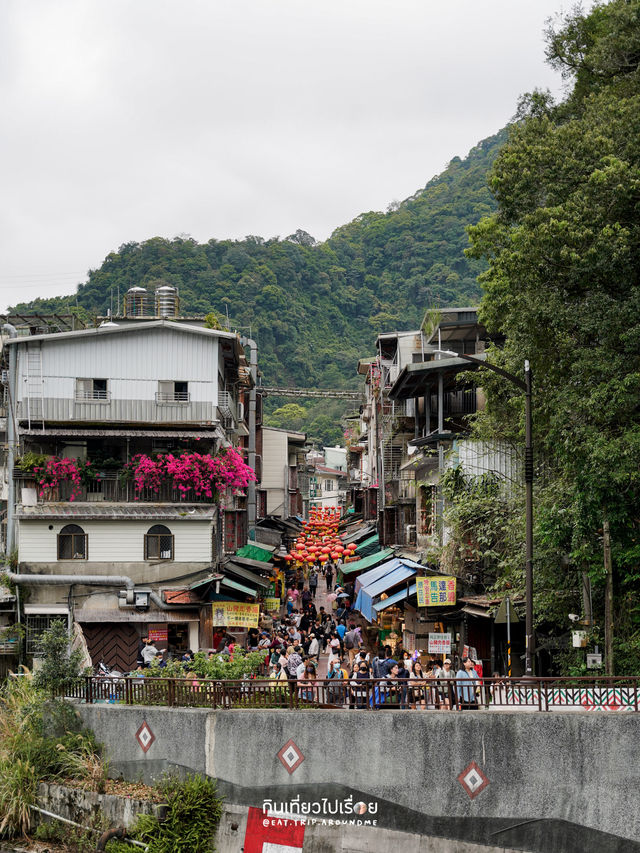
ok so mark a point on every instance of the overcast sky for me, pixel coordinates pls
(127, 119)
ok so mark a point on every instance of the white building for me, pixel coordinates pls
(104, 396)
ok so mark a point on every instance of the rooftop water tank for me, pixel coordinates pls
(167, 301)
(138, 302)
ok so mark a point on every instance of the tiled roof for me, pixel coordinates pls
(122, 511)
(181, 596)
(336, 472)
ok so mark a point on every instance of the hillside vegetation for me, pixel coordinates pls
(315, 308)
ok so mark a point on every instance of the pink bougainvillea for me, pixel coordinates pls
(56, 471)
(203, 474)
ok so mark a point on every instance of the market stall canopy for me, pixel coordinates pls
(396, 598)
(233, 568)
(380, 571)
(369, 546)
(238, 587)
(263, 553)
(364, 601)
(365, 563)
(363, 532)
(257, 565)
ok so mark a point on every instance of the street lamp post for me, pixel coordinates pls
(525, 386)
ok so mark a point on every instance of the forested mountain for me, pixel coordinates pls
(315, 308)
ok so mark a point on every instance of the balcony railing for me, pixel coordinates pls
(171, 397)
(110, 489)
(93, 395)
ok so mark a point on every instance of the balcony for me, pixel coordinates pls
(168, 398)
(106, 409)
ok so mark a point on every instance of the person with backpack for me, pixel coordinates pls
(353, 642)
(328, 575)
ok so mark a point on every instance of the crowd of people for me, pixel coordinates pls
(301, 639)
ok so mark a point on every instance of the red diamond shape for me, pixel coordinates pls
(145, 736)
(473, 780)
(290, 756)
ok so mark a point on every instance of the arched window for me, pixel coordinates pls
(72, 543)
(158, 543)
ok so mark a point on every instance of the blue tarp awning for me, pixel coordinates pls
(364, 601)
(383, 569)
(395, 598)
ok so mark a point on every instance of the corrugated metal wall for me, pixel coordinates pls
(113, 541)
(134, 363)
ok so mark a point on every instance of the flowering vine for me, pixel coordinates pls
(203, 474)
(56, 471)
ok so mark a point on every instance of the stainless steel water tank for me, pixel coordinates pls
(138, 302)
(167, 301)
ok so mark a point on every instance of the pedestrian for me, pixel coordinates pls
(466, 686)
(307, 684)
(149, 653)
(353, 642)
(446, 678)
(328, 575)
(293, 662)
(418, 686)
(358, 686)
(313, 583)
(334, 649)
(314, 648)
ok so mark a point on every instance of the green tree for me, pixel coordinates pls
(563, 288)
(59, 664)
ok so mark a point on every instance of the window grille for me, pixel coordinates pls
(158, 543)
(72, 543)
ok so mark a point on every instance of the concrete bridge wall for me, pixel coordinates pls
(566, 783)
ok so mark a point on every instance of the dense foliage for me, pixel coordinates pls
(40, 739)
(563, 287)
(315, 308)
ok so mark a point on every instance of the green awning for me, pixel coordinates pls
(369, 546)
(238, 586)
(367, 562)
(254, 552)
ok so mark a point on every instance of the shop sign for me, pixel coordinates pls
(436, 591)
(234, 614)
(158, 633)
(439, 644)
(272, 604)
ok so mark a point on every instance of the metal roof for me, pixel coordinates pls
(367, 562)
(130, 433)
(124, 511)
(395, 598)
(130, 614)
(246, 575)
(415, 379)
(123, 330)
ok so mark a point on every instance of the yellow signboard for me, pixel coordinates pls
(436, 591)
(234, 614)
(272, 604)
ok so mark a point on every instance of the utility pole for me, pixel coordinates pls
(608, 599)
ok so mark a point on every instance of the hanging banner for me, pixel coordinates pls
(158, 633)
(272, 604)
(436, 591)
(233, 614)
(439, 644)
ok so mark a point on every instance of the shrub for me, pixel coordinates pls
(193, 814)
(59, 664)
(18, 786)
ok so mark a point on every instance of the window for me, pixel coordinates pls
(36, 625)
(92, 389)
(172, 392)
(158, 543)
(72, 543)
(327, 486)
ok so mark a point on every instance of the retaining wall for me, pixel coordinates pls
(561, 783)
